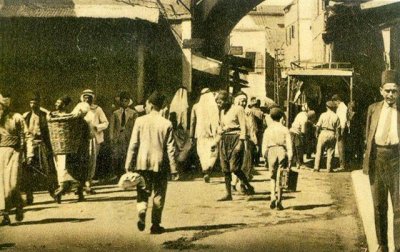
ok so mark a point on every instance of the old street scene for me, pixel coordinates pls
(221, 125)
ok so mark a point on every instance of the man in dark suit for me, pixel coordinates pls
(381, 160)
(42, 163)
(121, 125)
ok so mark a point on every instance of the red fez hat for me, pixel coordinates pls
(390, 76)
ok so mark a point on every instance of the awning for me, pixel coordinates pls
(377, 3)
(320, 72)
(132, 9)
(205, 64)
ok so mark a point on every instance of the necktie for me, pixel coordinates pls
(123, 119)
(386, 127)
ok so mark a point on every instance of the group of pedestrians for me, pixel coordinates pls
(223, 128)
(26, 151)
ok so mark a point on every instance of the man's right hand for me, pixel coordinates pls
(175, 176)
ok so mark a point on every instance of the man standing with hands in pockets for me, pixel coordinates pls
(152, 148)
(381, 161)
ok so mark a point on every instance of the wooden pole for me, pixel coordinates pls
(287, 101)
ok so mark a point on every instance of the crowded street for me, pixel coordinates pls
(320, 216)
(211, 125)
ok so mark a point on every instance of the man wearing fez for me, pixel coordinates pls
(97, 122)
(42, 163)
(121, 125)
(327, 131)
(152, 150)
(381, 160)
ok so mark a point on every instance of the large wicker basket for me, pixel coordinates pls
(65, 134)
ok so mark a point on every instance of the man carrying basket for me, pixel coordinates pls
(69, 135)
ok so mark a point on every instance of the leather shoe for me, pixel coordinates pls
(226, 198)
(141, 224)
(279, 206)
(206, 178)
(19, 214)
(233, 188)
(250, 190)
(156, 229)
(272, 205)
(383, 248)
(6, 221)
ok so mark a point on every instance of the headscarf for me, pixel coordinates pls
(180, 106)
(240, 96)
(87, 92)
(5, 101)
(207, 115)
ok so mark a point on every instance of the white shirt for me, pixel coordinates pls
(299, 123)
(393, 137)
(277, 134)
(342, 113)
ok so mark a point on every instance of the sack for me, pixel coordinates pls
(288, 179)
(130, 180)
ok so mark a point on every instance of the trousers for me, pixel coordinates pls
(155, 182)
(384, 180)
(326, 139)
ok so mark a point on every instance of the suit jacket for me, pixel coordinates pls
(152, 144)
(44, 130)
(120, 136)
(373, 115)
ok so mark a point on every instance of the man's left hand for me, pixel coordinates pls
(29, 161)
(175, 176)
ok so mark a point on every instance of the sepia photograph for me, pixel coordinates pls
(200, 125)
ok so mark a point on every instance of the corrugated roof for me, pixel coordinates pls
(173, 9)
(269, 9)
(133, 9)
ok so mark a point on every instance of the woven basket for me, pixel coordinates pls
(65, 134)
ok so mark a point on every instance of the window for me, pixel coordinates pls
(288, 36)
(292, 31)
(252, 57)
(259, 67)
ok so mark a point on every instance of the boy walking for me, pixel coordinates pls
(277, 147)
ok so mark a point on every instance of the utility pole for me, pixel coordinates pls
(279, 58)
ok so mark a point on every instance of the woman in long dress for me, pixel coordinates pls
(204, 124)
(13, 136)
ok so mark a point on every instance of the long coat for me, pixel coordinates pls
(373, 115)
(120, 136)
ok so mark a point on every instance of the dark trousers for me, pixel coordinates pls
(298, 148)
(155, 182)
(341, 149)
(118, 164)
(384, 179)
(40, 171)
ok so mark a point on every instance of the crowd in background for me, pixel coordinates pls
(224, 131)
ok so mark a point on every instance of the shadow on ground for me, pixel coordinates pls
(4, 246)
(119, 198)
(52, 220)
(309, 207)
(205, 227)
(184, 243)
